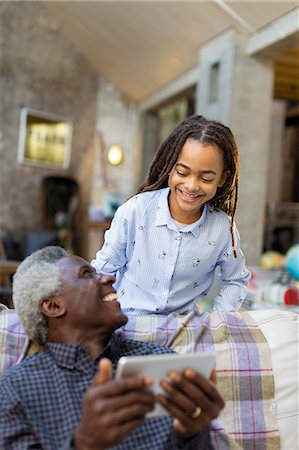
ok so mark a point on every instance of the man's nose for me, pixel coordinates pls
(106, 279)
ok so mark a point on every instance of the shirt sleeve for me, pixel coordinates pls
(233, 277)
(113, 254)
(15, 430)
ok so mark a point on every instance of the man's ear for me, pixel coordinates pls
(224, 177)
(53, 307)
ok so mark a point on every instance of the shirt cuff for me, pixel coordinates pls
(200, 440)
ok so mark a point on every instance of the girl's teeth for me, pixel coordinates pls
(189, 195)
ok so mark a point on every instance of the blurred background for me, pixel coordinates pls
(89, 89)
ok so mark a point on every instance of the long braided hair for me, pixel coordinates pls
(204, 131)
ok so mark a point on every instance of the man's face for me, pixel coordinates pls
(90, 299)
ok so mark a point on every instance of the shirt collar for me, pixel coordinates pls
(163, 216)
(72, 356)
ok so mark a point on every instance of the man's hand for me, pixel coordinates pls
(191, 399)
(112, 409)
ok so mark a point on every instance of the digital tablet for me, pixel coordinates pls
(157, 366)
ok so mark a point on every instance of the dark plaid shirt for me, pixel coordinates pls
(40, 400)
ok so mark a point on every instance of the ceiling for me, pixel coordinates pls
(140, 46)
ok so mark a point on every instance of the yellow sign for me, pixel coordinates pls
(44, 139)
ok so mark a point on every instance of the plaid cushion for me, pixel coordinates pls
(13, 340)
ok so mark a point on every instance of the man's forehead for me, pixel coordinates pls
(72, 262)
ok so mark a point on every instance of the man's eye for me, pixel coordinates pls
(88, 273)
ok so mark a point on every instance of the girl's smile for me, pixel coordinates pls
(194, 179)
(186, 198)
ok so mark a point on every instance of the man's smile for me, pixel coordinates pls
(110, 297)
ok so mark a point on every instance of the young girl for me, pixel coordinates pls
(165, 243)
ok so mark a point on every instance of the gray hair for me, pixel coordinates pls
(36, 279)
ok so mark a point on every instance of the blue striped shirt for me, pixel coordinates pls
(160, 268)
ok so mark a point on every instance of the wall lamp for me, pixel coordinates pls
(115, 155)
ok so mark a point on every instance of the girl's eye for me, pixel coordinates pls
(207, 181)
(181, 174)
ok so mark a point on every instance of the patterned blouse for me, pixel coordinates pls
(160, 268)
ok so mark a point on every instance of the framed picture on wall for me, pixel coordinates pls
(44, 139)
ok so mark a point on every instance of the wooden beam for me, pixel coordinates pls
(286, 93)
(286, 78)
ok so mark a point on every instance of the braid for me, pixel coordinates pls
(166, 157)
(232, 214)
(207, 132)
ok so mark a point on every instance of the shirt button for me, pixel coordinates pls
(157, 309)
(178, 237)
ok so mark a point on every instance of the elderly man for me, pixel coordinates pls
(65, 397)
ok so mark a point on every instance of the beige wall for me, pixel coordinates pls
(117, 120)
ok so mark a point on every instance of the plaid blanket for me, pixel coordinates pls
(13, 340)
(244, 370)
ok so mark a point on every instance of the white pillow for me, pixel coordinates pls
(280, 328)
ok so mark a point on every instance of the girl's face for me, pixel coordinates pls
(194, 179)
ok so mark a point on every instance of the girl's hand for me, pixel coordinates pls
(191, 399)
